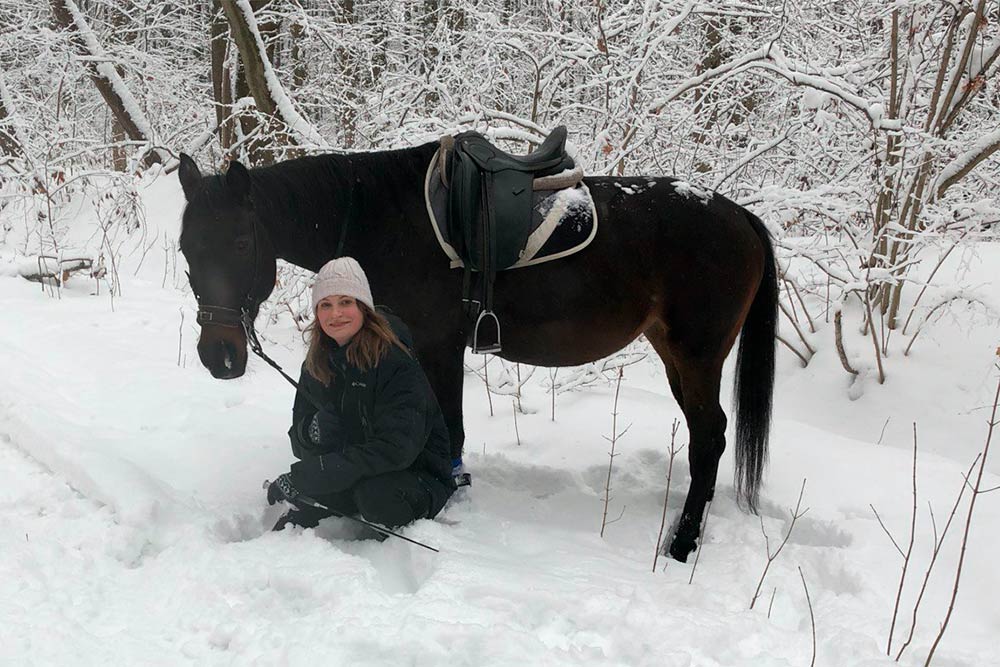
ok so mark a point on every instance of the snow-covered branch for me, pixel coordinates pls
(958, 168)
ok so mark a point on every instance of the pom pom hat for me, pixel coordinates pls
(342, 277)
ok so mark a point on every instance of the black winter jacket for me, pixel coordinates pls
(390, 420)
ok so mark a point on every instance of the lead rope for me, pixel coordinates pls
(254, 343)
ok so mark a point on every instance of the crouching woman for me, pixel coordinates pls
(379, 446)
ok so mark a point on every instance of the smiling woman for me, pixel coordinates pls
(366, 426)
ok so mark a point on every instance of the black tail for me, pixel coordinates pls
(755, 377)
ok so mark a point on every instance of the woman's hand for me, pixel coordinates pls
(281, 490)
(331, 433)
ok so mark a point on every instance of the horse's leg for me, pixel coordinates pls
(657, 337)
(443, 365)
(706, 422)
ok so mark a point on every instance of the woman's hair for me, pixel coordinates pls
(365, 350)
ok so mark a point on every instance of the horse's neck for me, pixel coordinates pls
(307, 203)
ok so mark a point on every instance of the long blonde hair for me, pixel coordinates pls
(365, 350)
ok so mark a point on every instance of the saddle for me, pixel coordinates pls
(490, 214)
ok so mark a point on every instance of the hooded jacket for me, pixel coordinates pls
(390, 420)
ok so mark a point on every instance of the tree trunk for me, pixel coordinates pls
(262, 81)
(102, 72)
(10, 146)
(349, 116)
(254, 65)
(222, 88)
(119, 152)
(299, 68)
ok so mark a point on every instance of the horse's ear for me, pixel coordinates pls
(238, 180)
(189, 176)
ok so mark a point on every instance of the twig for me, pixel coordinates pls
(517, 433)
(871, 328)
(812, 618)
(552, 380)
(927, 282)
(795, 288)
(805, 362)
(796, 515)
(517, 394)
(771, 603)
(180, 337)
(938, 542)
(838, 329)
(611, 454)
(891, 538)
(882, 434)
(486, 378)
(968, 526)
(795, 325)
(927, 318)
(666, 494)
(697, 555)
(909, 548)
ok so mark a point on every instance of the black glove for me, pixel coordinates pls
(281, 490)
(330, 430)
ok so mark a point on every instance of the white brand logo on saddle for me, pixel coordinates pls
(358, 384)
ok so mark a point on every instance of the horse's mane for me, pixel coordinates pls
(309, 190)
(304, 200)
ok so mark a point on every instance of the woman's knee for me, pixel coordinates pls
(387, 502)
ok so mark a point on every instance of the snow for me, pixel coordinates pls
(693, 191)
(133, 529)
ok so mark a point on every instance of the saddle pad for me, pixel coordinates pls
(562, 221)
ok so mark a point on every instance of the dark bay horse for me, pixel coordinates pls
(690, 271)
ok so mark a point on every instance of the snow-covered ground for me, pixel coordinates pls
(133, 527)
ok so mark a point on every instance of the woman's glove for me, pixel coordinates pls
(330, 430)
(282, 490)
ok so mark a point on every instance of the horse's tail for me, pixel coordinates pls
(755, 376)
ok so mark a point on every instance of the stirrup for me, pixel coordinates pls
(488, 332)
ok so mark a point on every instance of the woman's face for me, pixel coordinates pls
(339, 317)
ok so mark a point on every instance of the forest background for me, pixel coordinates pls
(865, 134)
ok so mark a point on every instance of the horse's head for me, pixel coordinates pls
(231, 262)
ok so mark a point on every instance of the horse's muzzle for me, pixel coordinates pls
(223, 353)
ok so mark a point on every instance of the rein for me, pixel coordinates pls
(254, 344)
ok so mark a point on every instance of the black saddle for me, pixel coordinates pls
(489, 214)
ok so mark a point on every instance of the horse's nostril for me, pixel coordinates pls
(228, 354)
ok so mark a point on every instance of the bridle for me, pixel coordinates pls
(230, 317)
(224, 316)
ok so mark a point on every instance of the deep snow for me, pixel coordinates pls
(133, 527)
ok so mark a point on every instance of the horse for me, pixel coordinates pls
(691, 273)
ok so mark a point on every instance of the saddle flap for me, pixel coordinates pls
(512, 204)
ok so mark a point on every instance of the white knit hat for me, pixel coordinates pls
(342, 277)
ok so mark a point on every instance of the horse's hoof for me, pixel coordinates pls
(681, 549)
